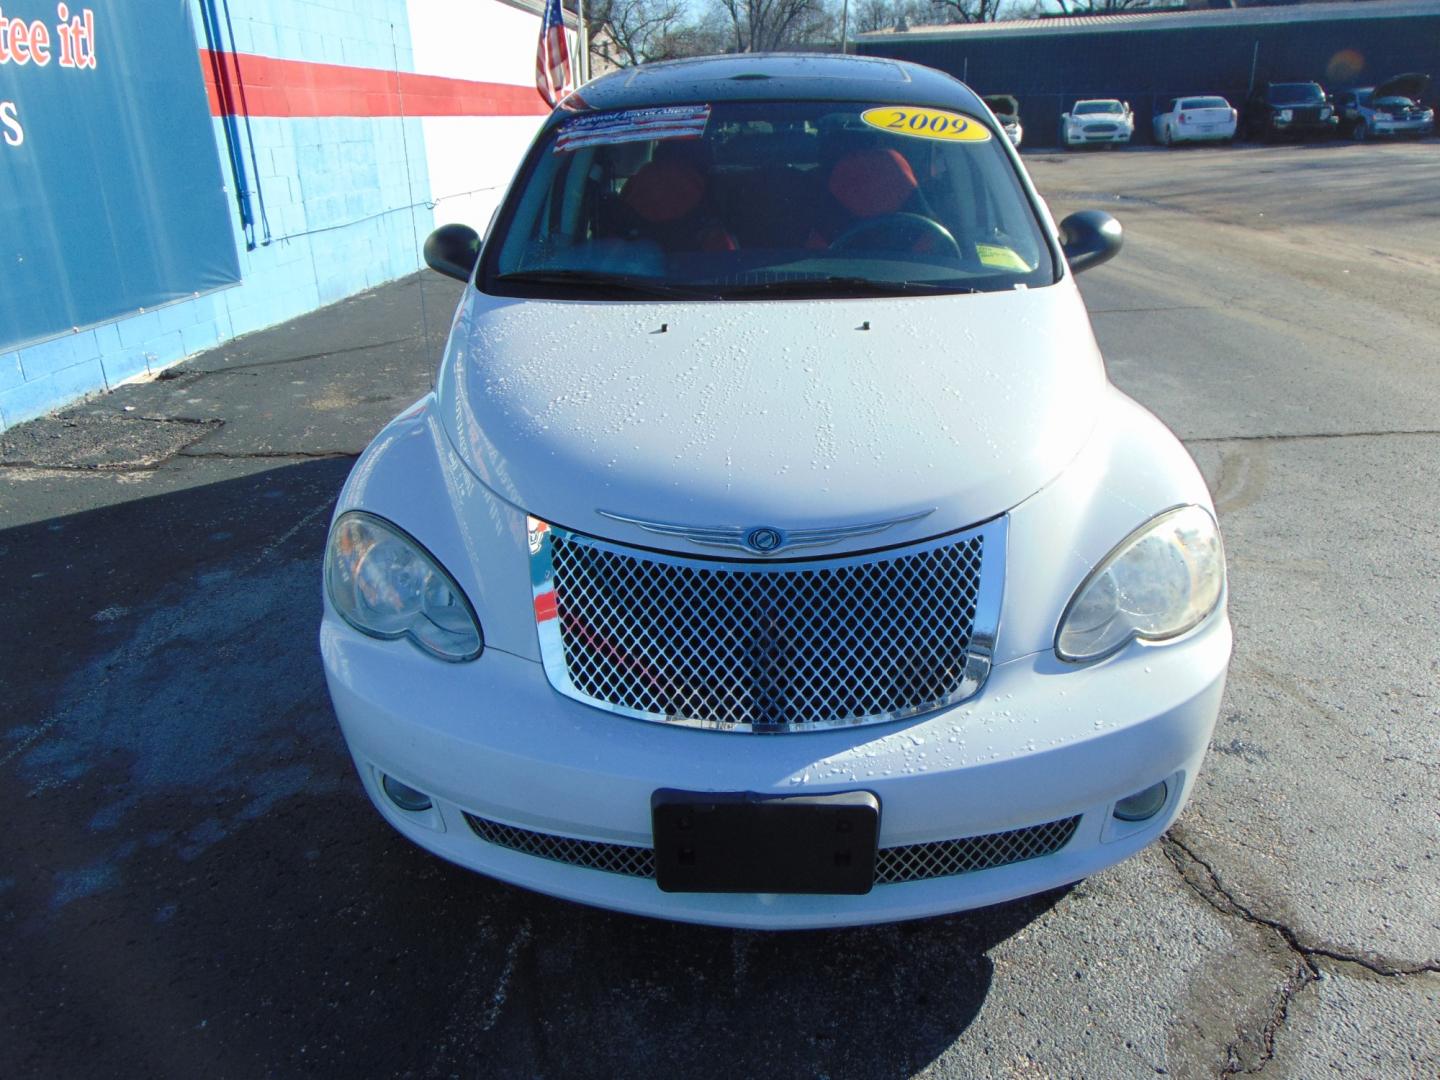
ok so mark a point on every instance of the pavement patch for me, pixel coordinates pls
(91, 441)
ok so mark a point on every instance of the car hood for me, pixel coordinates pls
(791, 414)
(1412, 86)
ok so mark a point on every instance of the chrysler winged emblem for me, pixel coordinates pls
(763, 539)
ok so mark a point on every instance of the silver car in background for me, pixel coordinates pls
(1392, 108)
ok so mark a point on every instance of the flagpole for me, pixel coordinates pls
(582, 62)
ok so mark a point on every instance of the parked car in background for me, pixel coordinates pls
(1392, 108)
(1290, 109)
(1007, 111)
(1195, 119)
(1101, 120)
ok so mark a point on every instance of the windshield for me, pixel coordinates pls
(1296, 94)
(748, 199)
(1086, 108)
(1205, 103)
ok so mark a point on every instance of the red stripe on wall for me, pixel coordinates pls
(243, 84)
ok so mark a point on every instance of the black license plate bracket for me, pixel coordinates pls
(747, 842)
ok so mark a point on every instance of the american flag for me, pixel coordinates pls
(552, 58)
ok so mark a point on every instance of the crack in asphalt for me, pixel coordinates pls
(266, 455)
(178, 372)
(1310, 435)
(202, 455)
(1203, 880)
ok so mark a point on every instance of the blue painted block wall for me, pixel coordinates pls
(346, 200)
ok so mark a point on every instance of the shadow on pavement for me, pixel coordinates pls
(192, 881)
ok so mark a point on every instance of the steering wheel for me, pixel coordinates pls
(918, 224)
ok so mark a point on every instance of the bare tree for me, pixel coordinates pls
(969, 11)
(870, 15)
(702, 38)
(766, 25)
(629, 32)
(1101, 7)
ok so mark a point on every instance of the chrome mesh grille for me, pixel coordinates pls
(893, 866)
(765, 647)
(596, 854)
(942, 858)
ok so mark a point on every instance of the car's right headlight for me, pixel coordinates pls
(1160, 581)
(386, 585)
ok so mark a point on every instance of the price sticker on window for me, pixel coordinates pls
(926, 123)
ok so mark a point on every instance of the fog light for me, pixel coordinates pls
(1143, 804)
(407, 798)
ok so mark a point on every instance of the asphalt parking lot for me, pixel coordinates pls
(192, 882)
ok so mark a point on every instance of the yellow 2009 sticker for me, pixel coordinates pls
(926, 123)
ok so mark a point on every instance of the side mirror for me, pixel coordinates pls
(1089, 238)
(452, 250)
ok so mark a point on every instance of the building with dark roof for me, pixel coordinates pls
(1147, 58)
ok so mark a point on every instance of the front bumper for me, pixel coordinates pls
(1085, 138)
(1402, 127)
(1328, 126)
(1045, 740)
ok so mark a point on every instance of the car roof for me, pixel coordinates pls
(773, 77)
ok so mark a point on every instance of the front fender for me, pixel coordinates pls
(1132, 469)
(411, 475)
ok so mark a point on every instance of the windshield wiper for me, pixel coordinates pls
(861, 286)
(593, 279)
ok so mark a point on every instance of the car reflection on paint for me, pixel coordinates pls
(773, 550)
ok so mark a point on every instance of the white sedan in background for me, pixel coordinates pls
(1195, 119)
(1103, 120)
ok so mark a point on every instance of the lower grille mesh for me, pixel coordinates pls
(942, 858)
(596, 854)
(912, 862)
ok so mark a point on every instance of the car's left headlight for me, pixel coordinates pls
(383, 583)
(1160, 581)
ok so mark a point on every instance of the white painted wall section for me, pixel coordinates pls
(470, 159)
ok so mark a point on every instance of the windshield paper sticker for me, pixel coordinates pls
(926, 123)
(633, 125)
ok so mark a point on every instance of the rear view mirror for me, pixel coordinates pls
(1089, 238)
(452, 250)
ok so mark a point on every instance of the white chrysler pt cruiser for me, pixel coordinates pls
(773, 551)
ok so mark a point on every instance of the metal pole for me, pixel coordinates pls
(582, 41)
(1254, 63)
(845, 26)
